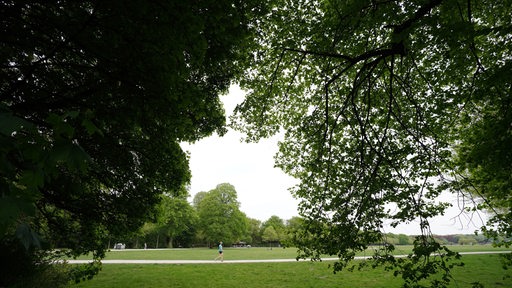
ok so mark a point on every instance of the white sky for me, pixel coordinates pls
(263, 190)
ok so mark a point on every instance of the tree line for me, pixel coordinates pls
(212, 216)
(215, 216)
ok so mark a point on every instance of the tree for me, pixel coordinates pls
(175, 217)
(484, 159)
(198, 198)
(391, 238)
(254, 231)
(95, 98)
(467, 240)
(278, 225)
(220, 218)
(147, 231)
(403, 239)
(294, 226)
(381, 103)
(270, 235)
(275, 221)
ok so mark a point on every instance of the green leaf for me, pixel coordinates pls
(91, 128)
(11, 124)
(60, 126)
(11, 209)
(32, 179)
(70, 154)
(27, 236)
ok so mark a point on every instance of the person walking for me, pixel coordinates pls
(221, 253)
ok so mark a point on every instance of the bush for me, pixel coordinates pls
(46, 275)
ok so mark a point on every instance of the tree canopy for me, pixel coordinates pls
(220, 218)
(384, 105)
(95, 98)
(175, 217)
(278, 227)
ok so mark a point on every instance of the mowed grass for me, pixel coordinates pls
(484, 268)
(248, 253)
(200, 254)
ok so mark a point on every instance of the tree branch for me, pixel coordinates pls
(421, 12)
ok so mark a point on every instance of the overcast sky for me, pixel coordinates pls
(263, 190)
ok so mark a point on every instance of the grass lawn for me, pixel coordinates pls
(483, 268)
(204, 254)
(247, 253)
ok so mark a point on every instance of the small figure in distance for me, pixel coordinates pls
(221, 254)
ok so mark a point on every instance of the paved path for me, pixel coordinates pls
(244, 261)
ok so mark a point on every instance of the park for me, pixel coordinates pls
(383, 114)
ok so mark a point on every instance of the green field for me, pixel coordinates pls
(248, 253)
(201, 254)
(483, 268)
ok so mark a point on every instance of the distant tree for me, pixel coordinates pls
(453, 238)
(175, 217)
(466, 240)
(441, 240)
(390, 238)
(95, 97)
(481, 239)
(147, 231)
(403, 239)
(277, 223)
(294, 223)
(198, 198)
(292, 230)
(220, 218)
(386, 103)
(270, 235)
(254, 228)
(274, 221)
